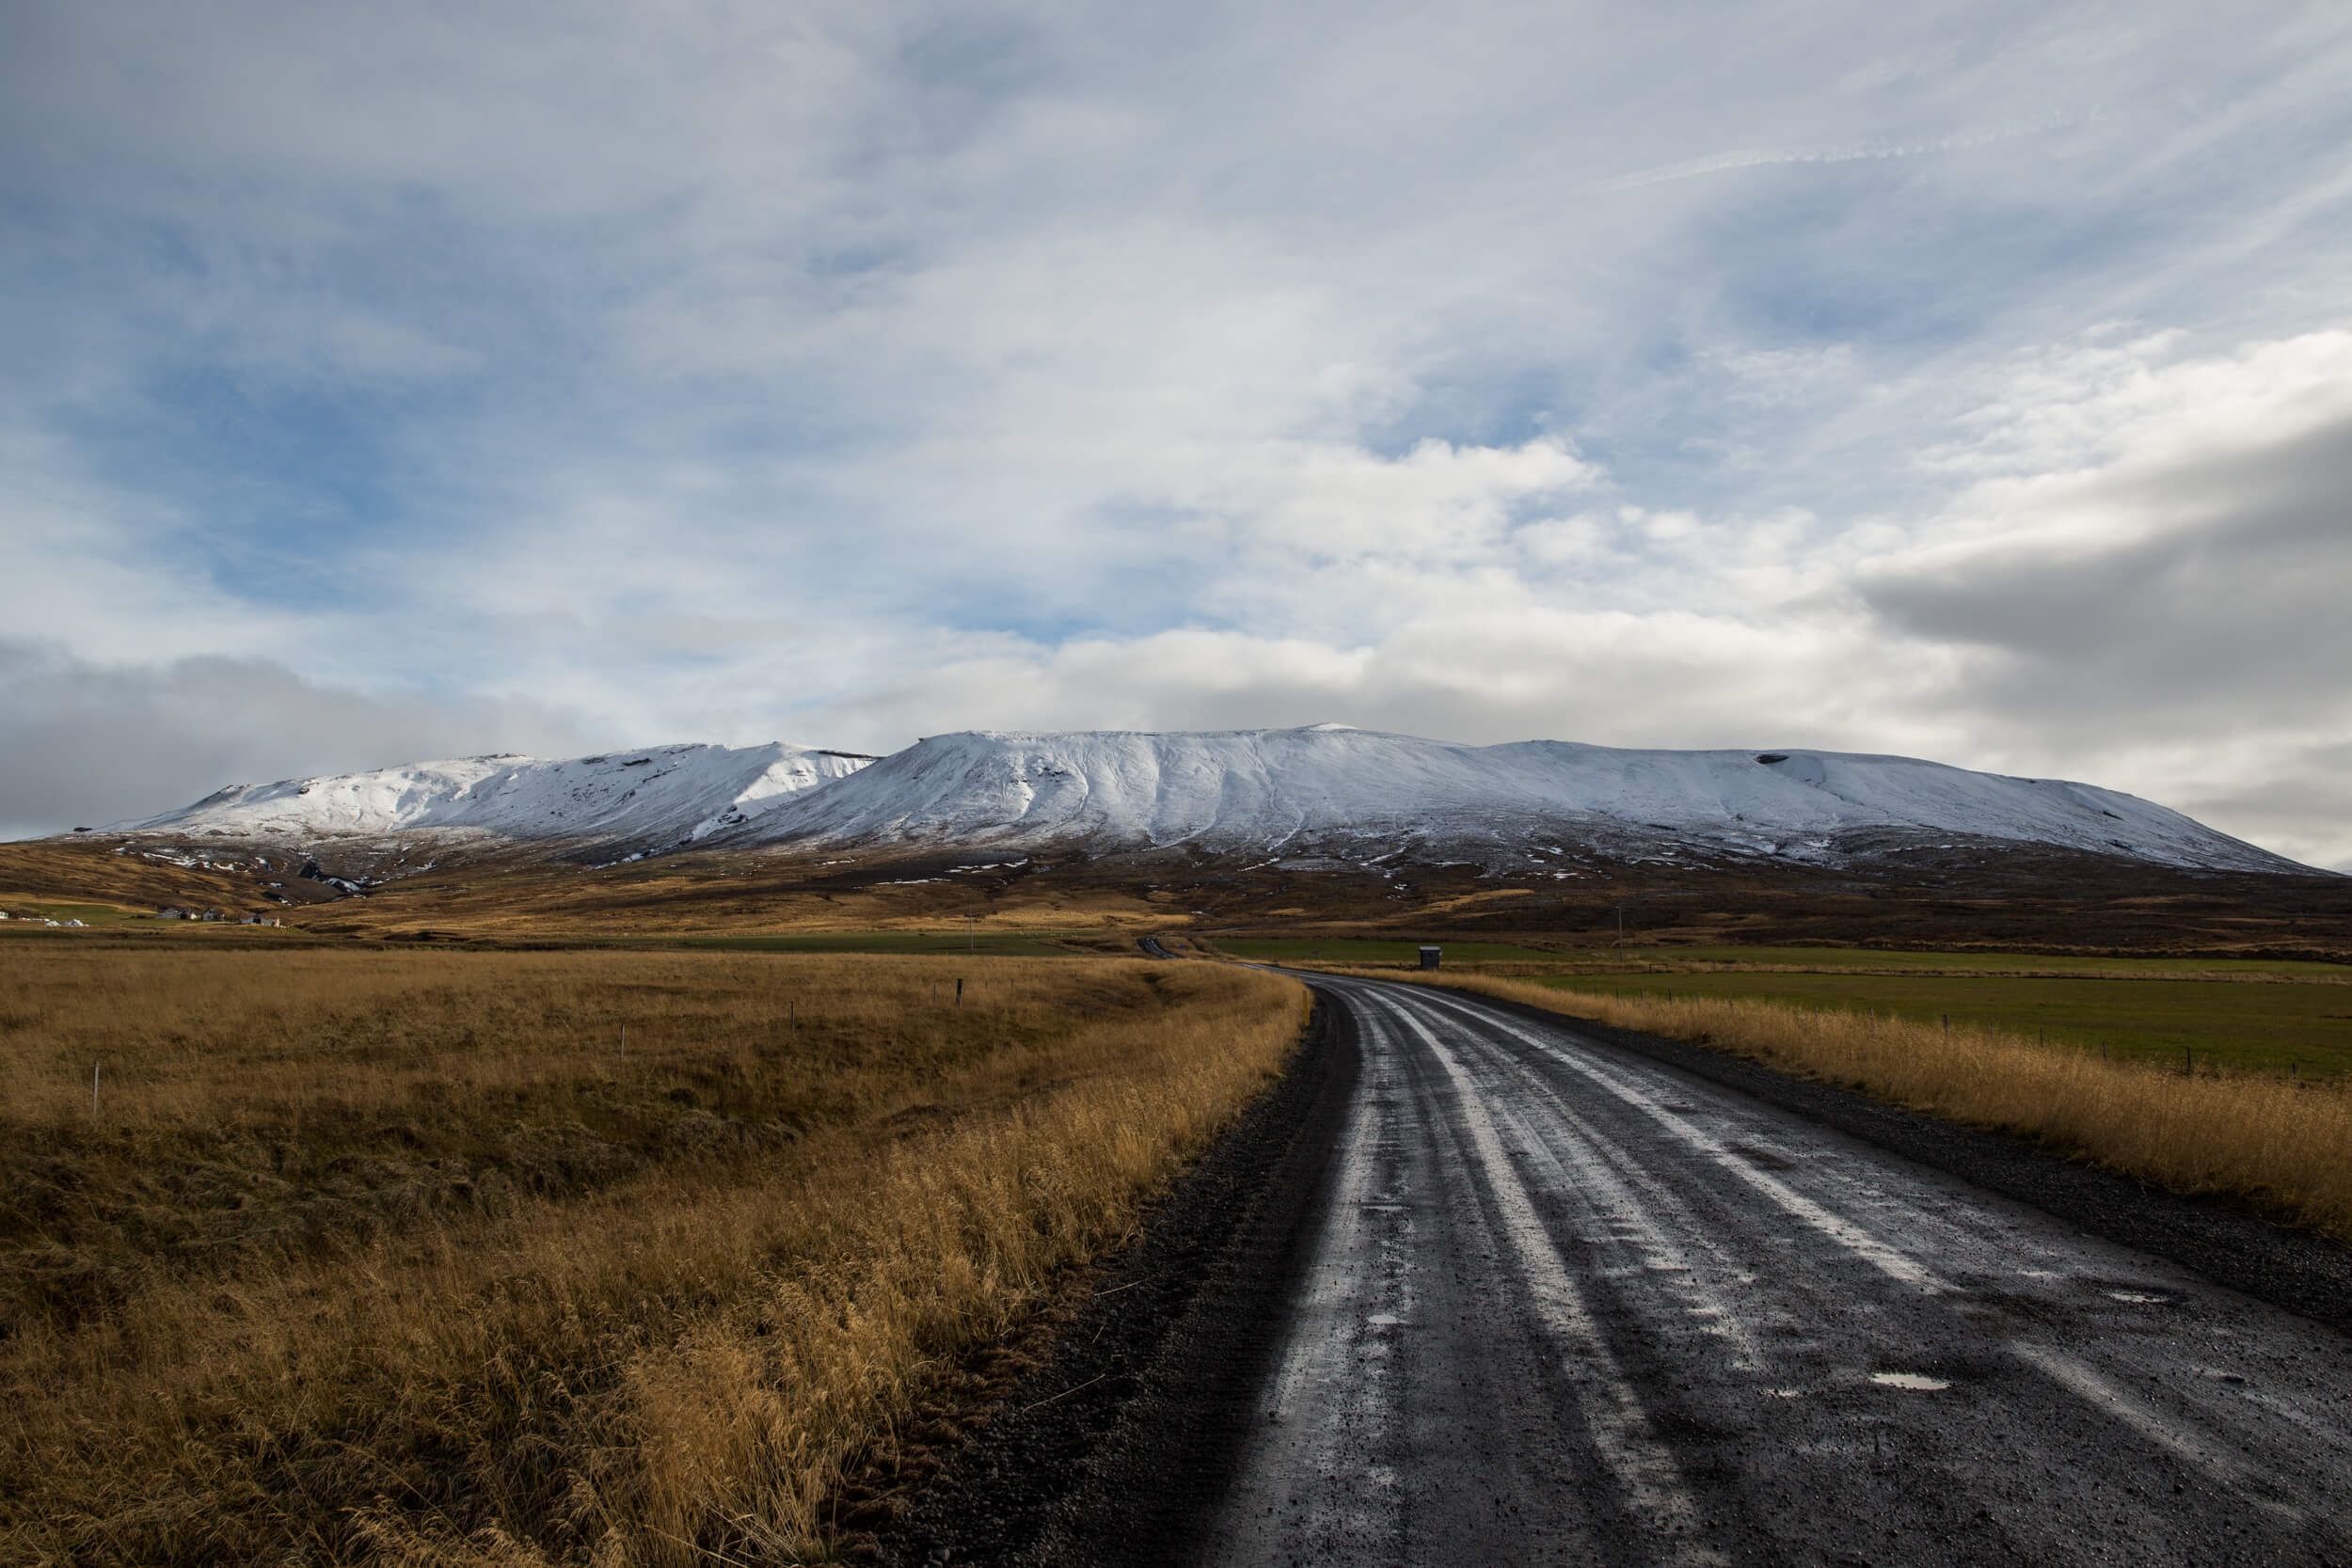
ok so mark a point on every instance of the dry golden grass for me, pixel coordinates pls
(197, 1038)
(2285, 1145)
(672, 1351)
(78, 870)
(520, 898)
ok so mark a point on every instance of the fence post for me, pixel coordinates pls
(93, 1091)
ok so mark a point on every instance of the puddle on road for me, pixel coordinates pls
(1384, 1320)
(2138, 1299)
(1919, 1383)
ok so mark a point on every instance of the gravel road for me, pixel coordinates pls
(1564, 1303)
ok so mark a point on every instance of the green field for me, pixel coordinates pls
(31, 912)
(2268, 1026)
(2038, 963)
(1666, 959)
(1353, 950)
(2272, 1016)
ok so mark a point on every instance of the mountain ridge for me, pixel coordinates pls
(669, 796)
(1313, 790)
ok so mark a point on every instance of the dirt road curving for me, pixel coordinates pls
(1565, 1303)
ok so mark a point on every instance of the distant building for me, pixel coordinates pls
(1429, 956)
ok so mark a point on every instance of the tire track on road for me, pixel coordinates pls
(1524, 1291)
(1766, 1343)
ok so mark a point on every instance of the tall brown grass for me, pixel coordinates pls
(194, 1038)
(271, 1102)
(677, 1364)
(2287, 1146)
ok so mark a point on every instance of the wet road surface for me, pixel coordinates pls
(1569, 1305)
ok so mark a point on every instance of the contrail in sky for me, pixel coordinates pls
(1857, 153)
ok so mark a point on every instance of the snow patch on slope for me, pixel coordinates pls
(1296, 794)
(1252, 789)
(665, 795)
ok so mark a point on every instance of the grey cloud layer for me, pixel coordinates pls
(2226, 603)
(83, 745)
(849, 371)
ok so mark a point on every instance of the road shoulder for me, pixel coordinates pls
(2217, 1237)
(1118, 1448)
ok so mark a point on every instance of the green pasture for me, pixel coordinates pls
(1669, 959)
(30, 913)
(2249, 1025)
(1871, 958)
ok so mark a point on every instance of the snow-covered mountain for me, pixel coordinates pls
(1345, 795)
(665, 798)
(1327, 790)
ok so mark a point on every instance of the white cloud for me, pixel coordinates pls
(82, 745)
(2162, 612)
(2143, 404)
(88, 564)
(2184, 552)
(858, 369)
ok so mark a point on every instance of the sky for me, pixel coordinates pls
(1963, 381)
